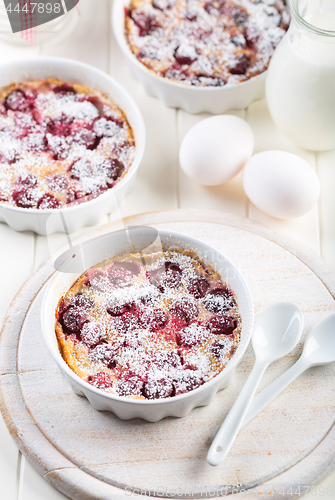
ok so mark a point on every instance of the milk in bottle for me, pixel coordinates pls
(300, 86)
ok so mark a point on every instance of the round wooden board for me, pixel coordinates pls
(89, 454)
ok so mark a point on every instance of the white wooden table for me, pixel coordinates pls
(161, 185)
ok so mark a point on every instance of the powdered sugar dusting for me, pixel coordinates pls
(206, 42)
(146, 330)
(56, 107)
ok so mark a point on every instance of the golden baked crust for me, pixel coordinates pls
(148, 326)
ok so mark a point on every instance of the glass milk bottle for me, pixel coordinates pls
(300, 86)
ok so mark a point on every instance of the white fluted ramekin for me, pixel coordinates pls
(214, 100)
(118, 243)
(69, 219)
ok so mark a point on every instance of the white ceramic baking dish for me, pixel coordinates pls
(69, 219)
(214, 100)
(97, 250)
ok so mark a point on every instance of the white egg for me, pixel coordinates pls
(216, 149)
(281, 184)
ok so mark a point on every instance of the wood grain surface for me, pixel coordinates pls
(90, 454)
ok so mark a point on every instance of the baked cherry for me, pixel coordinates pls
(127, 322)
(4, 196)
(133, 341)
(90, 274)
(48, 201)
(34, 141)
(148, 294)
(83, 302)
(208, 81)
(220, 347)
(74, 319)
(238, 40)
(168, 276)
(284, 21)
(73, 337)
(99, 282)
(111, 169)
(57, 182)
(86, 137)
(37, 116)
(156, 277)
(11, 148)
(157, 388)
(88, 193)
(71, 196)
(193, 335)
(174, 325)
(81, 169)
(227, 9)
(154, 320)
(162, 4)
(132, 267)
(190, 16)
(61, 127)
(219, 300)
(250, 38)
(221, 324)
(17, 101)
(101, 380)
(58, 146)
(106, 128)
(185, 55)
(240, 16)
(122, 273)
(187, 381)
(172, 274)
(198, 286)
(145, 23)
(120, 277)
(105, 354)
(116, 307)
(241, 66)
(28, 180)
(133, 385)
(216, 7)
(24, 124)
(63, 306)
(25, 198)
(175, 70)
(109, 115)
(209, 8)
(91, 333)
(185, 310)
(93, 99)
(165, 360)
(64, 89)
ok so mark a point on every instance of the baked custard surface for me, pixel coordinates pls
(60, 144)
(148, 326)
(205, 43)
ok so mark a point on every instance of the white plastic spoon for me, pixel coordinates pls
(319, 349)
(275, 334)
